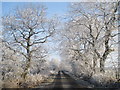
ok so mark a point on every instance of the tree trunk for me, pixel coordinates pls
(26, 69)
(28, 60)
(102, 65)
(94, 65)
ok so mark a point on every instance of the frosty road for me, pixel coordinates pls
(63, 80)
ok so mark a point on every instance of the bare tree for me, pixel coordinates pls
(91, 30)
(109, 25)
(25, 30)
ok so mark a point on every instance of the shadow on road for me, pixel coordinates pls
(57, 82)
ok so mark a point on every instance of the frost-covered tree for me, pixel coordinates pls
(38, 60)
(25, 30)
(11, 65)
(91, 33)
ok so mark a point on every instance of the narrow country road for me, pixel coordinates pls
(63, 80)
